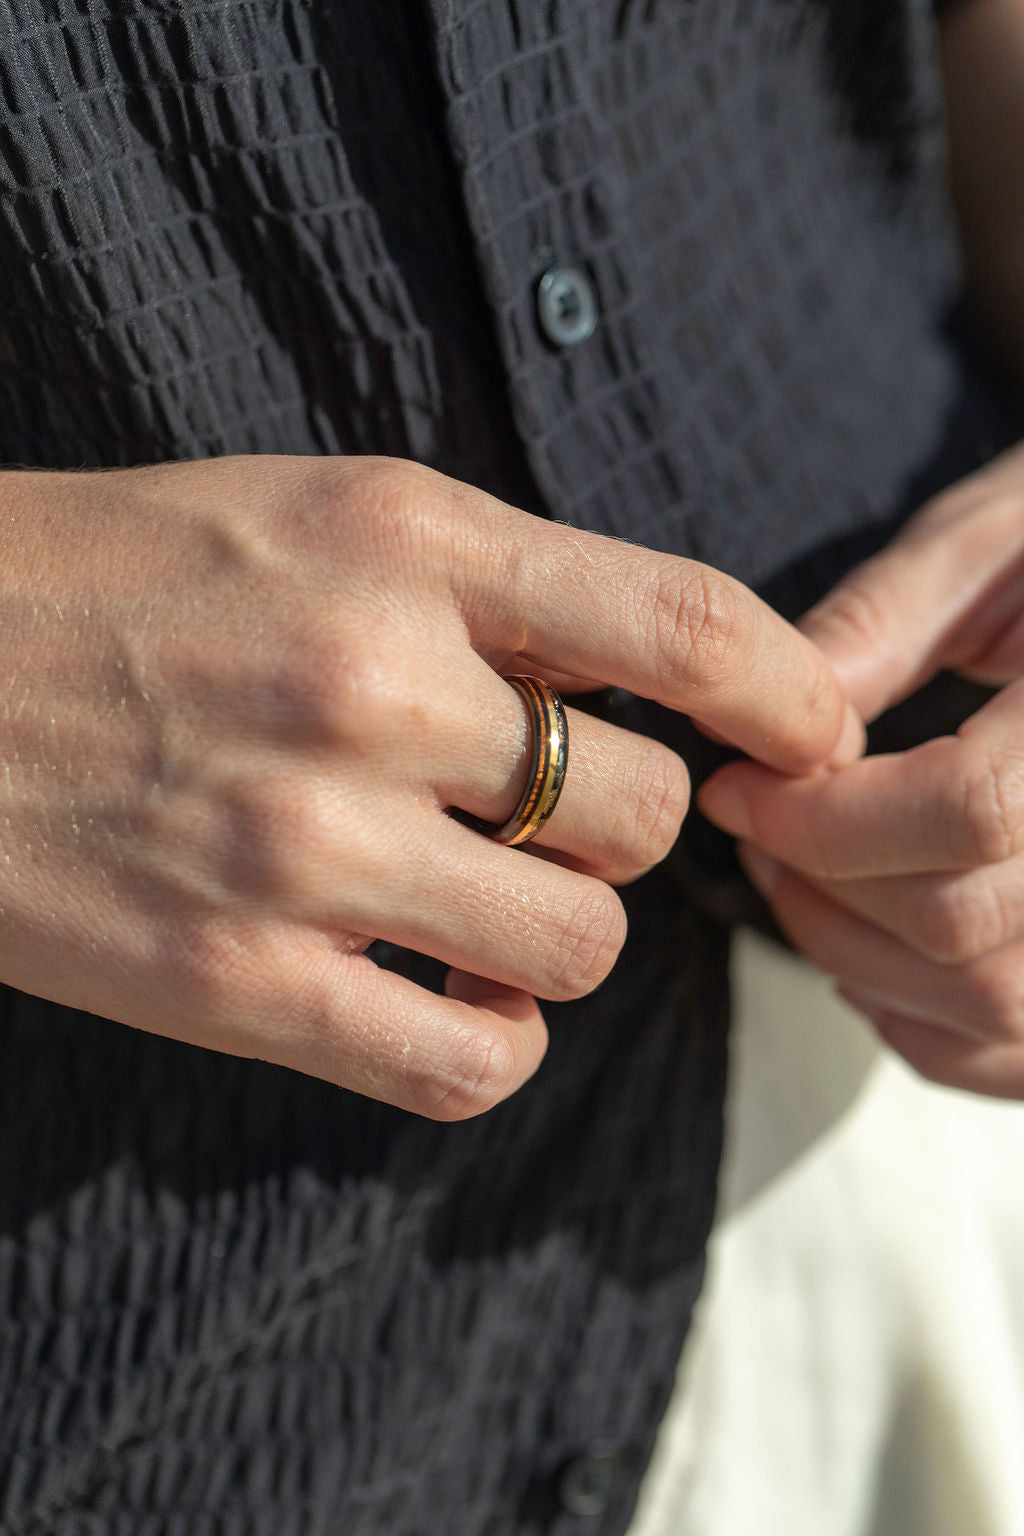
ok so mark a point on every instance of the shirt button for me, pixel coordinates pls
(566, 306)
(586, 1482)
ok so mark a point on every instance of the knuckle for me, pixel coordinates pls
(481, 1070)
(375, 479)
(695, 620)
(960, 923)
(404, 501)
(652, 804)
(992, 808)
(344, 689)
(854, 609)
(388, 505)
(336, 691)
(999, 998)
(587, 946)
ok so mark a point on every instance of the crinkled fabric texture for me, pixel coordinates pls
(237, 1300)
(233, 1300)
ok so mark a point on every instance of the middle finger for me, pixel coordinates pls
(982, 998)
(948, 918)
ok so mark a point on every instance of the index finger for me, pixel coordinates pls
(667, 628)
(955, 803)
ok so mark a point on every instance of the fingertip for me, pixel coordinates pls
(507, 1042)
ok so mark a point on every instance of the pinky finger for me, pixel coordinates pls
(994, 1068)
(292, 998)
(448, 1058)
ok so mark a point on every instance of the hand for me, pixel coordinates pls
(239, 698)
(903, 875)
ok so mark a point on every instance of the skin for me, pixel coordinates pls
(240, 697)
(903, 876)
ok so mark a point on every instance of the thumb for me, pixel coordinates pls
(896, 620)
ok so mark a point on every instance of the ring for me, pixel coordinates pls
(549, 754)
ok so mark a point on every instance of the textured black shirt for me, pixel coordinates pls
(234, 1300)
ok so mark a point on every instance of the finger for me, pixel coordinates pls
(953, 803)
(458, 731)
(669, 629)
(489, 910)
(947, 918)
(980, 999)
(291, 998)
(354, 853)
(624, 795)
(994, 1068)
(350, 860)
(930, 599)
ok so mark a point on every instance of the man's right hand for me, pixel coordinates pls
(238, 699)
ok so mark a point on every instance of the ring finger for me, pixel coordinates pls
(980, 998)
(624, 796)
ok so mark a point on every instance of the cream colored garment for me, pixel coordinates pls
(857, 1364)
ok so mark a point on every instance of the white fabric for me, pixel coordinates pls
(857, 1363)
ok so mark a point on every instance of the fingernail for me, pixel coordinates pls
(761, 867)
(726, 807)
(852, 742)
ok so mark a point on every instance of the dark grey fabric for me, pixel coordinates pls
(234, 1300)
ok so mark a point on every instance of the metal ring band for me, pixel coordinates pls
(549, 754)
